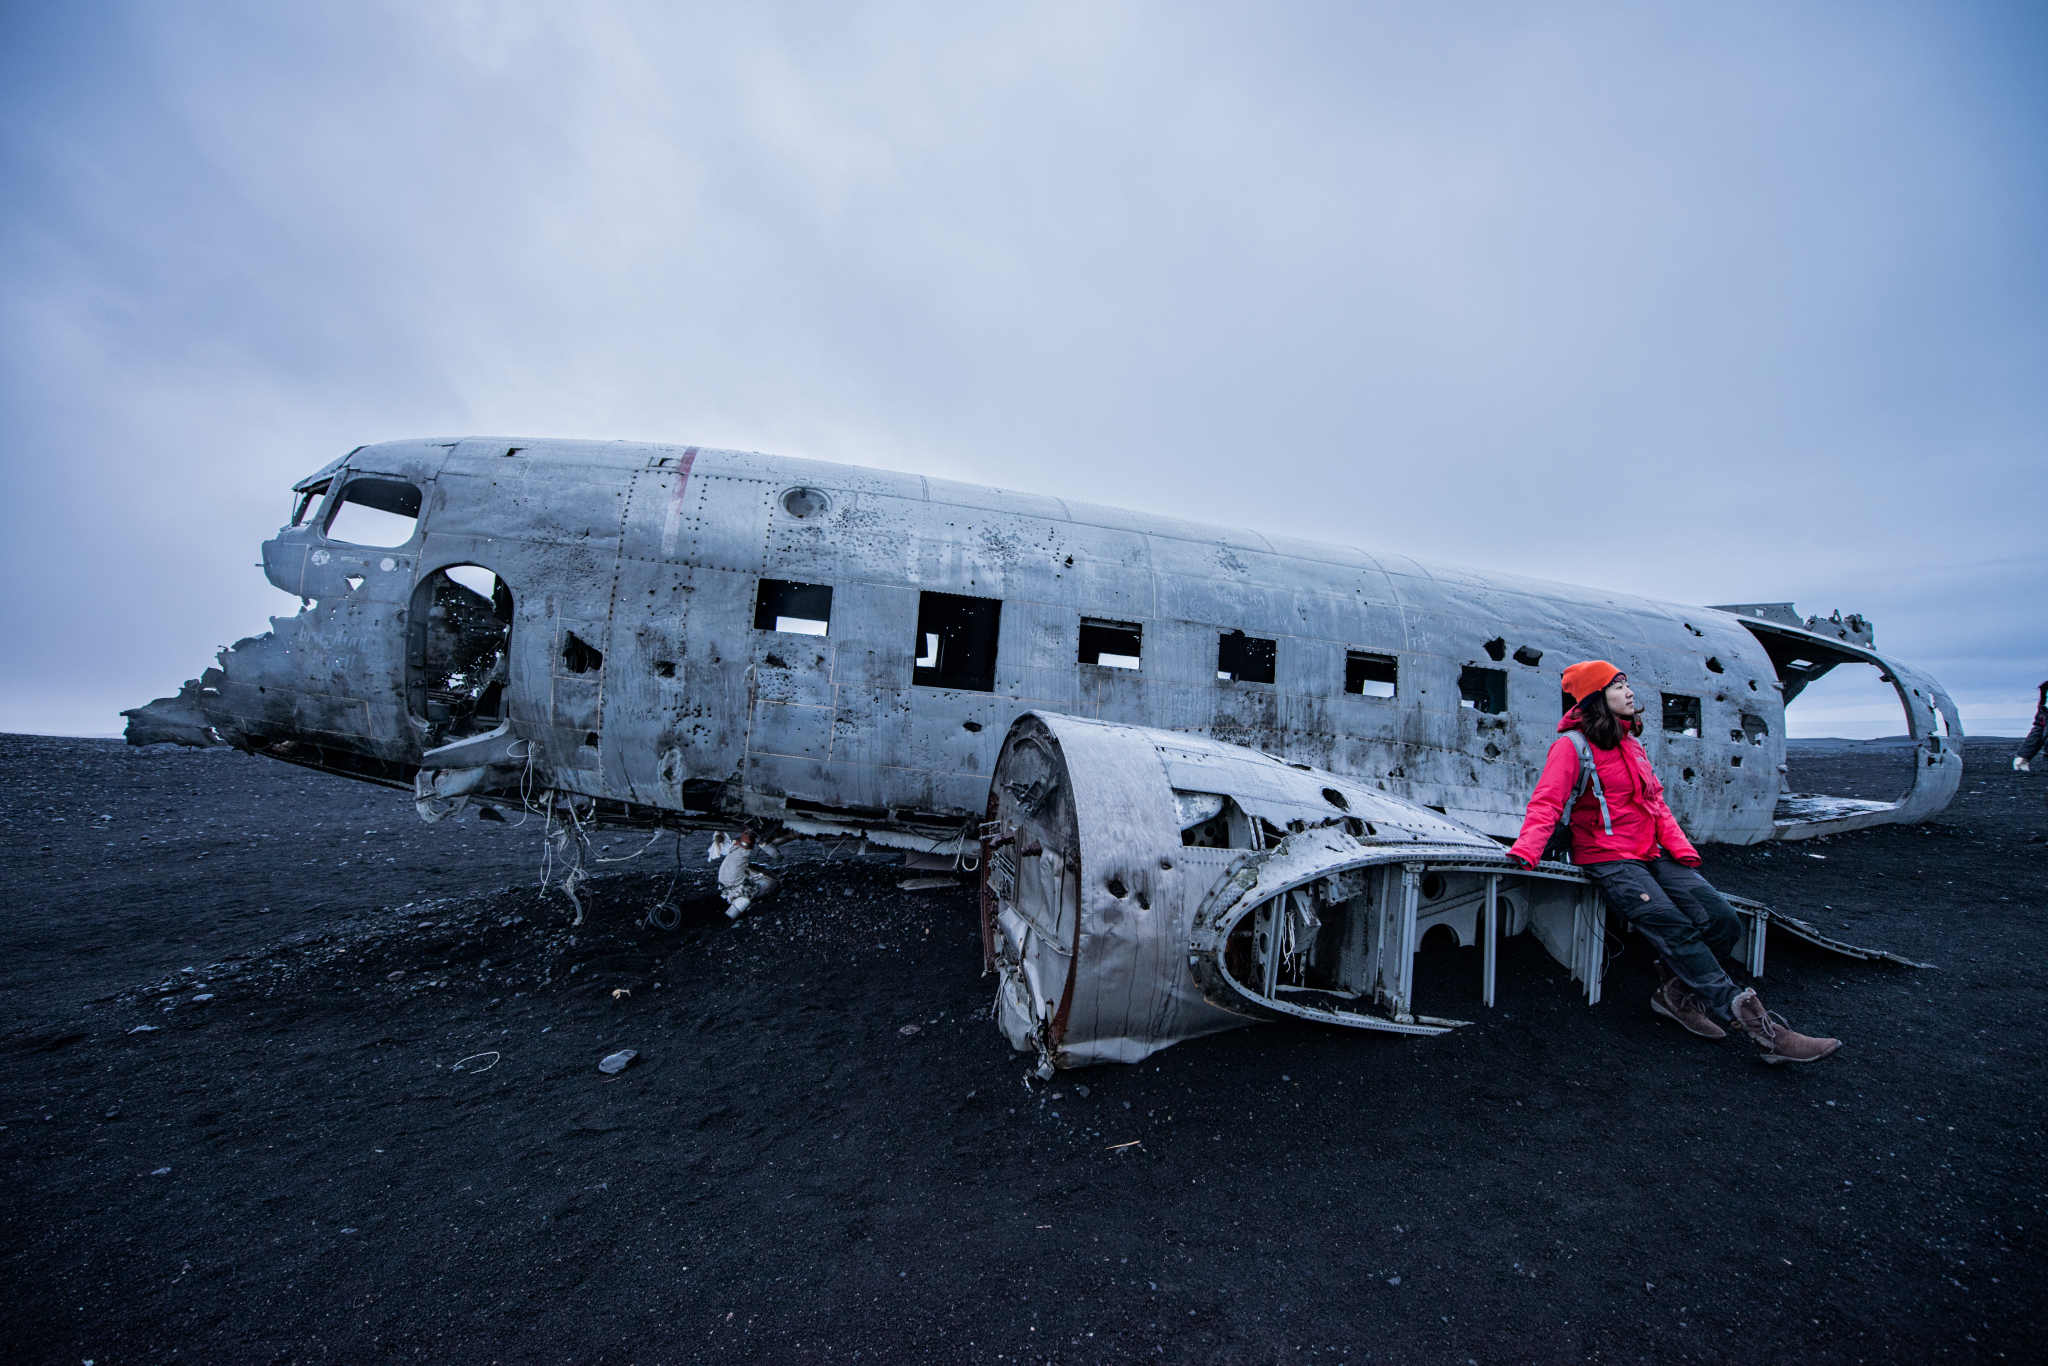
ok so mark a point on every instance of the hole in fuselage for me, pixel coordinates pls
(1681, 714)
(579, 656)
(1483, 689)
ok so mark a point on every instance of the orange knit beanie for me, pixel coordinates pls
(1588, 677)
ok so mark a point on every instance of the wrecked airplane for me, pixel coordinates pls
(663, 636)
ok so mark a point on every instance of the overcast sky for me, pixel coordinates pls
(1715, 303)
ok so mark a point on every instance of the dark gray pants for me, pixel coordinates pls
(1688, 923)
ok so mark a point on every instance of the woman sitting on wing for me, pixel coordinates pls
(1628, 842)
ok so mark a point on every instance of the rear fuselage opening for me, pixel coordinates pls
(1846, 738)
(1866, 740)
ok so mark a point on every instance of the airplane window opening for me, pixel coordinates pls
(460, 629)
(1529, 656)
(1483, 689)
(959, 634)
(1714, 665)
(1112, 644)
(803, 609)
(1681, 714)
(1367, 675)
(375, 512)
(309, 499)
(1496, 649)
(1245, 659)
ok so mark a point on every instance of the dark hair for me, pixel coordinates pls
(1600, 725)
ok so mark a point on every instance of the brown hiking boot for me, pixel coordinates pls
(1675, 1001)
(1774, 1041)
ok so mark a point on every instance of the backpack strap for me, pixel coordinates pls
(1589, 774)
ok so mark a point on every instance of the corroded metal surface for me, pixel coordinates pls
(639, 647)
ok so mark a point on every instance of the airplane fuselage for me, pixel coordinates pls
(686, 634)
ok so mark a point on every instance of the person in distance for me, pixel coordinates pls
(2023, 762)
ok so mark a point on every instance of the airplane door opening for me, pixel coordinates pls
(459, 654)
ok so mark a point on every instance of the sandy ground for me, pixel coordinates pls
(293, 1077)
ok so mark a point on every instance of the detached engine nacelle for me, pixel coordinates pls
(1145, 886)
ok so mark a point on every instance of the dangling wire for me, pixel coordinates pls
(566, 839)
(665, 914)
(628, 858)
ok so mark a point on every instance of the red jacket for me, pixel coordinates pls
(1635, 803)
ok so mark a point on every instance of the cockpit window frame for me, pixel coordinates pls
(310, 495)
(338, 497)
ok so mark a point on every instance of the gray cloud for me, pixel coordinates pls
(1722, 306)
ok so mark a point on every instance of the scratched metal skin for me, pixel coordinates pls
(650, 557)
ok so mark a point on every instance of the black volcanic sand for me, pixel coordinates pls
(305, 1168)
